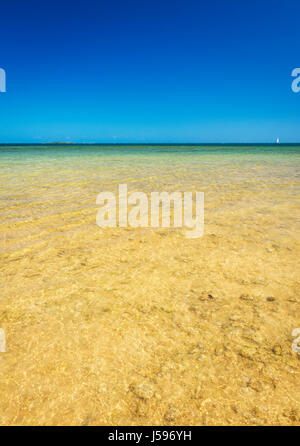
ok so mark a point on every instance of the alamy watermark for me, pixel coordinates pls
(296, 342)
(2, 341)
(2, 81)
(142, 213)
(296, 82)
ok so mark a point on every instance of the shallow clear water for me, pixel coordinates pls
(98, 318)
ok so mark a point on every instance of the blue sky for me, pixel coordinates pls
(149, 71)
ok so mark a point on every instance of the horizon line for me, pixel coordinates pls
(147, 143)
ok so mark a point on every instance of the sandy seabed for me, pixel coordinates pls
(123, 326)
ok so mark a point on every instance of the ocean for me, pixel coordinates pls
(135, 326)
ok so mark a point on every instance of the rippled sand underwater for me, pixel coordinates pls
(123, 326)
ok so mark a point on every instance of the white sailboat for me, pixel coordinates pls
(277, 141)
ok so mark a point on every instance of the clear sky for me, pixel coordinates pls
(149, 71)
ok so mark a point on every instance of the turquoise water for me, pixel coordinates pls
(181, 163)
(33, 157)
(147, 150)
(86, 169)
(42, 180)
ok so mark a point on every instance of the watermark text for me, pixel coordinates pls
(2, 81)
(2, 341)
(134, 210)
(296, 342)
(296, 81)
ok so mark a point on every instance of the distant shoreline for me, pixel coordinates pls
(227, 144)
